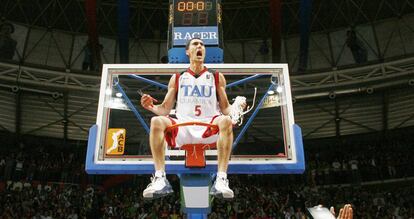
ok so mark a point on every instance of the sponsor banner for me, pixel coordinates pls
(115, 141)
(209, 35)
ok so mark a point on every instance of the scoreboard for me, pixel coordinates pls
(195, 18)
(195, 13)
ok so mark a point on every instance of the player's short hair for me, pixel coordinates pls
(187, 44)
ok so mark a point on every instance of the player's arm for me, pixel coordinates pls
(222, 96)
(165, 107)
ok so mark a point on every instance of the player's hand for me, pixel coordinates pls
(345, 213)
(147, 101)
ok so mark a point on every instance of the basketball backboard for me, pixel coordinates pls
(268, 140)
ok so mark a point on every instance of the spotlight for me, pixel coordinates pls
(118, 94)
(279, 89)
(332, 95)
(411, 82)
(370, 90)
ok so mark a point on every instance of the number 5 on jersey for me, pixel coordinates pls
(197, 110)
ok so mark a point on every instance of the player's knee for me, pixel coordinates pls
(225, 124)
(157, 123)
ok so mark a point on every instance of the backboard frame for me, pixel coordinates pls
(293, 163)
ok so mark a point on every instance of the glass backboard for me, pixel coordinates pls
(267, 141)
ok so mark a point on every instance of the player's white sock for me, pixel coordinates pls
(222, 175)
(159, 173)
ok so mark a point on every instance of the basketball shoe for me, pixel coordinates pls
(159, 187)
(221, 189)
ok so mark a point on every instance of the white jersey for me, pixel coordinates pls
(197, 97)
(196, 102)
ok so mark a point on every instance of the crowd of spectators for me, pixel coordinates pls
(254, 199)
(351, 160)
(42, 163)
(360, 160)
(48, 181)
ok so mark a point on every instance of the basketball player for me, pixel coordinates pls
(199, 95)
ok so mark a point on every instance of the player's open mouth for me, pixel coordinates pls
(199, 53)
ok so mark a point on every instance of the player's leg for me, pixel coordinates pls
(224, 144)
(159, 185)
(157, 141)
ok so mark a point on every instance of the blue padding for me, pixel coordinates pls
(300, 155)
(197, 212)
(296, 168)
(89, 163)
(177, 55)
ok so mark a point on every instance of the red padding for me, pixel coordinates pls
(195, 155)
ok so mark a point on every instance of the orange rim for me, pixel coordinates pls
(213, 127)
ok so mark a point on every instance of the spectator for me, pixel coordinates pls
(359, 52)
(264, 48)
(164, 59)
(10, 166)
(344, 213)
(87, 59)
(353, 163)
(2, 167)
(18, 168)
(7, 43)
(336, 168)
(91, 60)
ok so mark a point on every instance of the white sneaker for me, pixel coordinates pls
(159, 187)
(221, 189)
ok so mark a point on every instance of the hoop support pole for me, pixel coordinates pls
(244, 80)
(163, 86)
(134, 110)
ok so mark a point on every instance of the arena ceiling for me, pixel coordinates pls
(245, 19)
(58, 97)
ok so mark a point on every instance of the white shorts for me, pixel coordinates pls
(192, 134)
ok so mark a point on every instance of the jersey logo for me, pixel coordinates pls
(197, 91)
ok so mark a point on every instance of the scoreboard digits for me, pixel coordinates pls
(195, 18)
(198, 6)
(194, 13)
